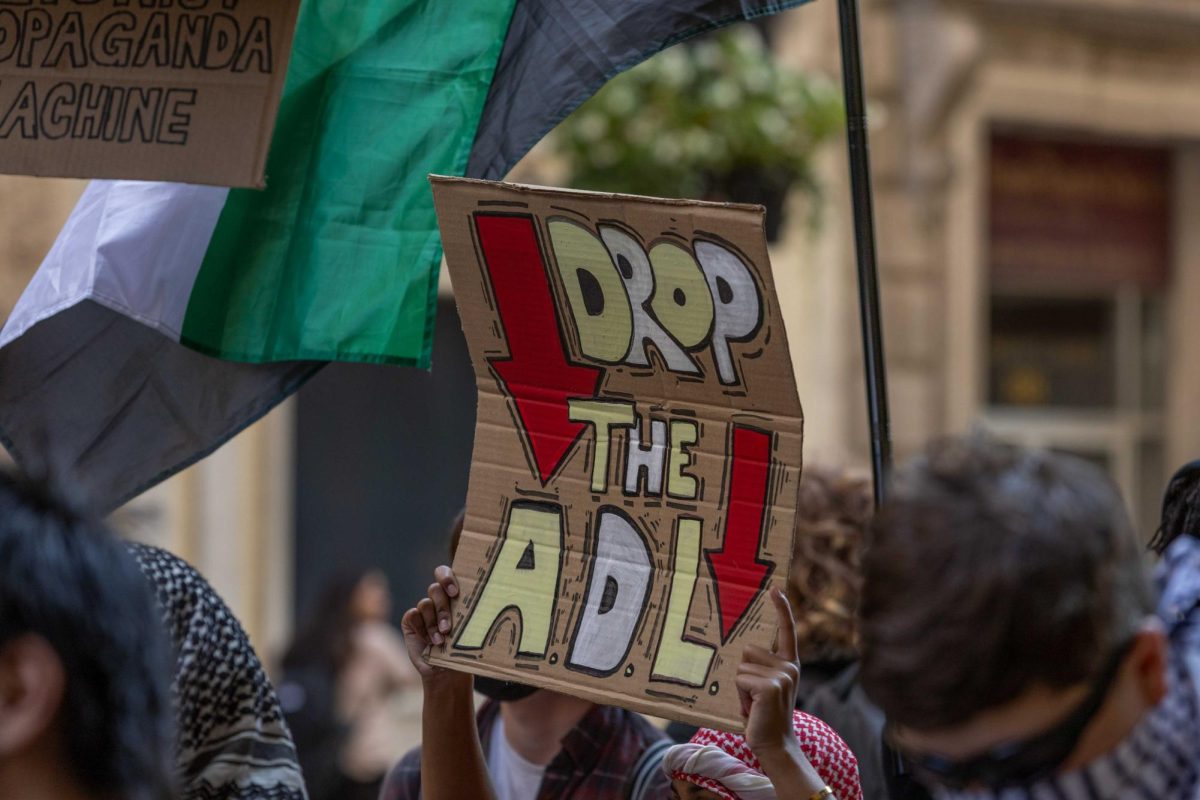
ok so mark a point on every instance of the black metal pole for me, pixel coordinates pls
(901, 785)
(864, 241)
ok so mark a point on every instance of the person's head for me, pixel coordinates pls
(371, 600)
(1180, 509)
(715, 765)
(1006, 609)
(831, 520)
(84, 664)
(325, 637)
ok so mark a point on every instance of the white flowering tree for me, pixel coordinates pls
(719, 119)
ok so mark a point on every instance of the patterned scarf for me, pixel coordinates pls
(723, 764)
(233, 743)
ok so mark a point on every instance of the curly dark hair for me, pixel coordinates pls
(1180, 509)
(834, 511)
(991, 569)
(66, 579)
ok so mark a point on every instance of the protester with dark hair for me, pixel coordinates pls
(1180, 509)
(1010, 635)
(1178, 577)
(232, 741)
(84, 705)
(341, 672)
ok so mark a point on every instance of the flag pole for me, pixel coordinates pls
(864, 241)
(900, 783)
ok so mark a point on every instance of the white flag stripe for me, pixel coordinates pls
(132, 246)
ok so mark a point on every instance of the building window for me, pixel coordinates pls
(1052, 352)
(1079, 256)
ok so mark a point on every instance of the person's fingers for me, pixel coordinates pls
(766, 680)
(757, 657)
(755, 685)
(416, 639)
(750, 668)
(746, 701)
(785, 638)
(745, 696)
(441, 605)
(445, 576)
(752, 689)
(429, 615)
(412, 624)
(773, 683)
(770, 691)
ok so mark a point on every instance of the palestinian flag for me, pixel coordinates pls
(167, 317)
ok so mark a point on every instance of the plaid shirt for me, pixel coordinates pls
(595, 761)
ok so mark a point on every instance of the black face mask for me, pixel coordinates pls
(1027, 760)
(502, 691)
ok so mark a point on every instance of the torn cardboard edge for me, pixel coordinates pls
(754, 208)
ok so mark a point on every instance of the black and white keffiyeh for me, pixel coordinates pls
(233, 742)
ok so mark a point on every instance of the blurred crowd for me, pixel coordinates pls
(995, 630)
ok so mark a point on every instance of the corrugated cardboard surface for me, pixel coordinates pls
(532, 468)
(184, 91)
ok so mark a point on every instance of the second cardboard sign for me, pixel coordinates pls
(183, 91)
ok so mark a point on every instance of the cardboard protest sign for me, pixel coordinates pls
(176, 90)
(638, 445)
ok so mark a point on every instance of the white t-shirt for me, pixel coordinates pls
(513, 777)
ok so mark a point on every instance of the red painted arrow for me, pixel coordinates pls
(536, 373)
(738, 573)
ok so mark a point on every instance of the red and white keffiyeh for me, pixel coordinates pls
(722, 762)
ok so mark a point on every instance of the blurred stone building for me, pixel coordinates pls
(1036, 167)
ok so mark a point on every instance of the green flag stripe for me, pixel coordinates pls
(337, 259)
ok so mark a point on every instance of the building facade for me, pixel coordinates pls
(1036, 169)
